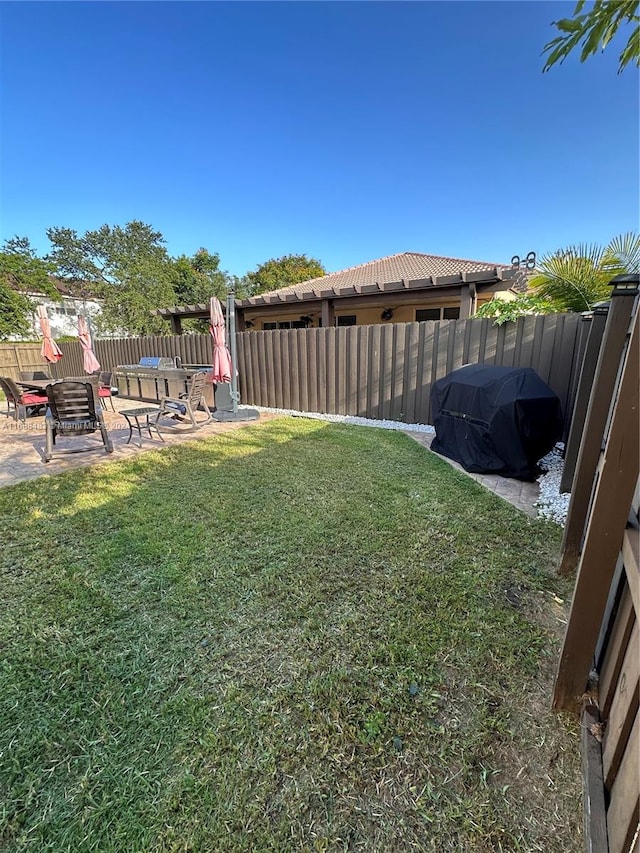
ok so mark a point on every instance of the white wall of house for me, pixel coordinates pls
(63, 315)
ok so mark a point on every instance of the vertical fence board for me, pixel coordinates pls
(321, 380)
(448, 333)
(351, 338)
(484, 329)
(284, 356)
(362, 333)
(244, 373)
(441, 351)
(428, 340)
(294, 369)
(270, 343)
(386, 370)
(546, 329)
(398, 355)
(303, 371)
(257, 352)
(473, 351)
(373, 374)
(312, 369)
(536, 343)
(525, 349)
(510, 340)
(491, 342)
(457, 350)
(409, 380)
(337, 371)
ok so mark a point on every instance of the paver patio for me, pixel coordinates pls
(22, 444)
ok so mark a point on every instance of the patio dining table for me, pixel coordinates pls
(41, 384)
(35, 384)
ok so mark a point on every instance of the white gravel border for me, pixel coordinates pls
(347, 419)
(551, 503)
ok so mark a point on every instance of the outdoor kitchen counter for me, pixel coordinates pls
(137, 382)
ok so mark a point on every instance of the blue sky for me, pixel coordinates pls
(347, 131)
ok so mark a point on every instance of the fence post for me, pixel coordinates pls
(608, 515)
(597, 320)
(623, 298)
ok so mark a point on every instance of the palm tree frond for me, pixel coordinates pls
(625, 252)
(577, 277)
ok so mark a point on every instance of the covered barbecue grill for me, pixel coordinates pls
(155, 377)
(498, 420)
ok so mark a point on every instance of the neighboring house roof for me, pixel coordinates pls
(74, 288)
(402, 266)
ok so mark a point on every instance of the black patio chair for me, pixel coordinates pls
(23, 402)
(73, 413)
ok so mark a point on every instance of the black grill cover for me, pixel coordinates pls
(495, 420)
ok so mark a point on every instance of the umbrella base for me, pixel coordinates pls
(241, 415)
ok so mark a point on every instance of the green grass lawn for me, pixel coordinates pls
(295, 636)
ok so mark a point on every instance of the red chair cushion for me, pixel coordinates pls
(104, 392)
(31, 399)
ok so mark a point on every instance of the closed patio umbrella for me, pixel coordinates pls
(90, 362)
(50, 349)
(221, 371)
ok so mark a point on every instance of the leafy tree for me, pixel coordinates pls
(129, 269)
(571, 279)
(241, 286)
(282, 272)
(504, 311)
(21, 272)
(14, 312)
(593, 30)
(198, 278)
(21, 267)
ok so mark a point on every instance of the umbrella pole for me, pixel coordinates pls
(231, 337)
(233, 413)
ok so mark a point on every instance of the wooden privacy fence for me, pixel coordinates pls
(380, 371)
(387, 371)
(599, 669)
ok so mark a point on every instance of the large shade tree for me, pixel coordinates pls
(22, 272)
(282, 272)
(128, 267)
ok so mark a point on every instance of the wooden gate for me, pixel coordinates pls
(599, 670)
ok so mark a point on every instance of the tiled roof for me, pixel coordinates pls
(410, 271)
(403, 267)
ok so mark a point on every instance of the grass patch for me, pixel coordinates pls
(296, 636)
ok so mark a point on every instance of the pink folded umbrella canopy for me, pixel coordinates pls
(90, 362)
(221, 371)
(50, 349)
